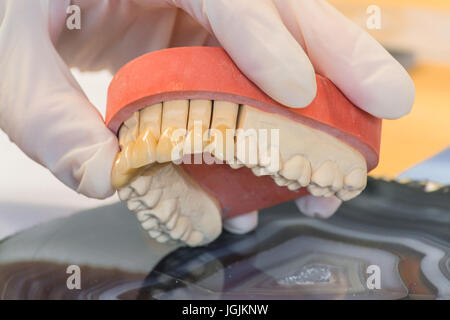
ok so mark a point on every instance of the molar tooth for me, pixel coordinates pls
(346, 195)
(356, 179)
(173, 130)
(223, 126)
(317, 191)
(194, 239)
(297, 168)
(164, 210)
(150, 119)
(150, 224)
(324, 175)
(182, 224)
(141, 185)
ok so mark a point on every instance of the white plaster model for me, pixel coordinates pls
(171, 206)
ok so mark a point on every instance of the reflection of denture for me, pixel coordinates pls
(327, 147)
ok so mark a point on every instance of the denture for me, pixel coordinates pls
(172, 105)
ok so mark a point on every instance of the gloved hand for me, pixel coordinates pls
(277, 43)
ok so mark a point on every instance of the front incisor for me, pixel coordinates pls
(223, 125)
(198, 124)
(173, 129)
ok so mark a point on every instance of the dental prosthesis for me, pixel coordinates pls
(201, 143)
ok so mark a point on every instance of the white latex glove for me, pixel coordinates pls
(43, 110)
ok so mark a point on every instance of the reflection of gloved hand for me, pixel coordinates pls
(44, 111)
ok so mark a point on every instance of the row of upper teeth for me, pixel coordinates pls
(301, 157)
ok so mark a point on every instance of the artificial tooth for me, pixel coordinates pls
(223, 125)
(345, 195)
(162, 238)
(129, 130)
(280, 181)
(125, 193)
(141, 185)
(297, 168)
(195, 238)
(198, 124)
(151, 198)
(154, 233)
(325, 174)
(172, 221)
(186, 233)
(119, 180)
(260, 171)
(123, 137)
(247, 147)
(143, 215)
(180, 227)
(143, 150)
(150, 224)
(317, 191)
(150, 119)
(122, 172)
(269, 158)
(235, 164)
(135, 205)
(305, 177)
(293, 186)
(123, 159)
(173, 130)
(338, 181)
(164, 210)
(356, 179)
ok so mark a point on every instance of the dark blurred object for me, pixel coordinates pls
(406, 58)
(399, 228)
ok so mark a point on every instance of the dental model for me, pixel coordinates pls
(200, 142)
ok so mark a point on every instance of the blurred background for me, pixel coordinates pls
(417, 32)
